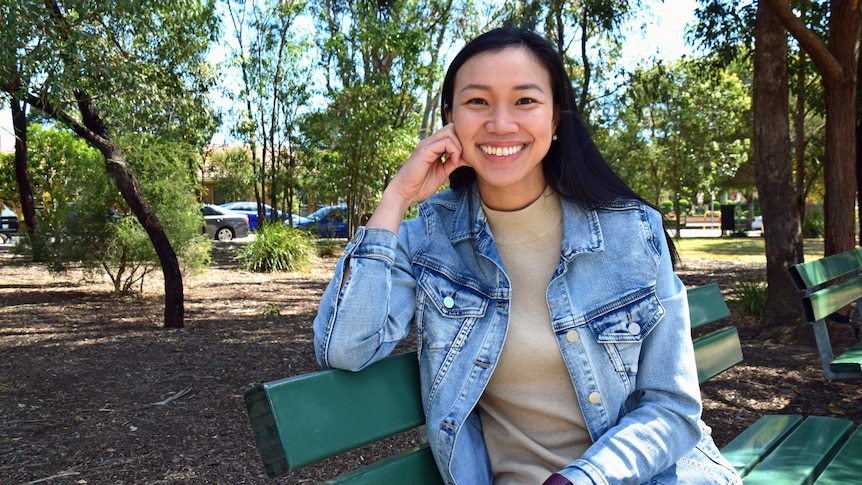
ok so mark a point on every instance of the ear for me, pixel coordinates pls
(447, 113)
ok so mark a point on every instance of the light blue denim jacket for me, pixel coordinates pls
(619, 312)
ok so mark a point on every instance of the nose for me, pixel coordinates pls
(501, 121)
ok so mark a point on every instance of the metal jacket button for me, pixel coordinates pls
(448, 302)
(634, 328)
(572, 336)
(595, 397)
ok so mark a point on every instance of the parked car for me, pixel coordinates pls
(249, 208)
(8, 223)
(757, 223)
(223, 224)
(297, 220)
(329, 221)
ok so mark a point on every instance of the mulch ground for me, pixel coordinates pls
(94, 390)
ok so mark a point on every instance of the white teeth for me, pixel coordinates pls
(501, 151)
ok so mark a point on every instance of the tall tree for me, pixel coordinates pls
(119, 66)
(375, 67)
(268, 53)
(13, 28)
(772, 166)
(838, 66)
(681, 132)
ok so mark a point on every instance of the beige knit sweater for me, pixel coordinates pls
(533, 425)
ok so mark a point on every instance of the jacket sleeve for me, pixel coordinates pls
(661, 424)
(363, 317)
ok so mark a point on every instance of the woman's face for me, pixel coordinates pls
(504, 116)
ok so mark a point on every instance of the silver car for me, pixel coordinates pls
(8, 222)
(223, 224)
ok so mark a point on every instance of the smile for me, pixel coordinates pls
(501, 151)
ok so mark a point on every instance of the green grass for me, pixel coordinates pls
(740, 249)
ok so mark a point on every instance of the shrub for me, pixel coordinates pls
(278, 247)
(813, 225)
(666, 207)
(751, 295)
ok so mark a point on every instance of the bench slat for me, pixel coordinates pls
(716, 352)
(304, 419)
(814, 273)
(846, 467)
(803, 455)
(827, 301)
(749, 448)
(850, 361)
(706, 305)
(415, 466)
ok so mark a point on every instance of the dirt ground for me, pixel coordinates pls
(93, 390)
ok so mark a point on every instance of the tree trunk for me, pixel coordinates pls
(859, 176)
(840, 171)
(837, 64)
(95, 132)
(130, 187)
(773, 168)
(25, 189)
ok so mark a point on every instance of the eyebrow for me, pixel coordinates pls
(519, 87)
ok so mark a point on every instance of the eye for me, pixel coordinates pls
(476, 101)
(525, 101)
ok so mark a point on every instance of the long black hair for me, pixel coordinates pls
(573, 166)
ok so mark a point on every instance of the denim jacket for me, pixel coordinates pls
(619, 313)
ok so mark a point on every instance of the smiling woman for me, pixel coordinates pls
(541, 287)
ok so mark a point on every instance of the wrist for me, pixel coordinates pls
(390, 211)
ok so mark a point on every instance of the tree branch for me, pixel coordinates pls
(46, 107)
(826, 63)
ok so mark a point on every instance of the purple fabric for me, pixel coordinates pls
(557, 479)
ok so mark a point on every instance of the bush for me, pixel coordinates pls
(278, 247)
(751, 295)
(813, 225)
(666, 207)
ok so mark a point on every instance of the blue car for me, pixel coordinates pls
(329, 221)
(249, 208)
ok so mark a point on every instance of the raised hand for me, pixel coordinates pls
(424, 172)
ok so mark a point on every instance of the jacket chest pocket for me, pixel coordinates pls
(621, 327)
(447, 310)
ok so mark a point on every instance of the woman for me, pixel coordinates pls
(553, 335)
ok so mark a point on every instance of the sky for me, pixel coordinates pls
(663, 38)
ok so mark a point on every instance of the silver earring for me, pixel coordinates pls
(554, 138)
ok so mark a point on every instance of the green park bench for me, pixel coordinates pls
(305, 419)
(828, 285)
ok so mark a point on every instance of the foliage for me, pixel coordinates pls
(278, 247)
(666, 206)
(370, 124)
(268, 51)
(233, 174)
(679, 132)
(88, 221)
(751, 296)
(813, 224)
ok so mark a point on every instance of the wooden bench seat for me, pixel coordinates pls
(305, 419)
(828, 285)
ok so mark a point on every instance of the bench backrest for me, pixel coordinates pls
(304, 419)
(810, 277)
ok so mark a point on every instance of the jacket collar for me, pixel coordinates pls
(582, 232)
